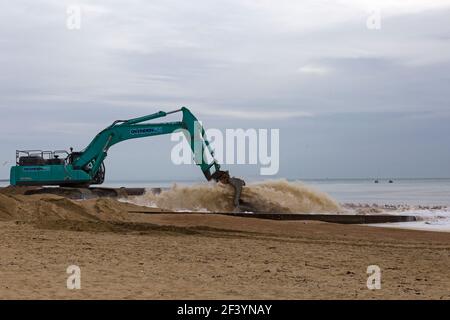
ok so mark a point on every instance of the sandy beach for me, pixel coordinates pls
(128, 255)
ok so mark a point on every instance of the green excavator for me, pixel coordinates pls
(86, 167)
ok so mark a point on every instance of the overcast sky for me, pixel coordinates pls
(349, 101)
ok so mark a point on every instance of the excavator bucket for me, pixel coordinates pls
(237, 184)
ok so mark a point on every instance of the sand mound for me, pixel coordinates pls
(278, 196)
(45, 208)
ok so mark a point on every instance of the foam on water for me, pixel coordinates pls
(427, 219)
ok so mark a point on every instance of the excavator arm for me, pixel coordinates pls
(91, 158)
(86, 167)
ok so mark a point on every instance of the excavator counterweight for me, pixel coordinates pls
(86, 167)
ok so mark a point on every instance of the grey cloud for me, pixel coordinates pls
(236, 64)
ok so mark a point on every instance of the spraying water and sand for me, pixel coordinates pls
(424, 199)
(278, 196)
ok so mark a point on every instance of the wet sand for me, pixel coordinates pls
(126, 255)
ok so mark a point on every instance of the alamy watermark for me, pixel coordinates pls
(235, 146)
(74, 279)
(73, 20)
(373, 21)
(374, 279)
